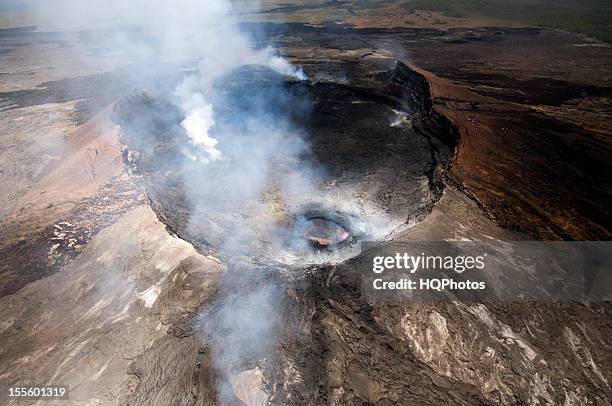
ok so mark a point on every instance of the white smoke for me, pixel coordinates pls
(197, 124)
(194, 92)
(202, 37)
(225, 48)
(181, 32)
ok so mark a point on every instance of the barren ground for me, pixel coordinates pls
(100, 288)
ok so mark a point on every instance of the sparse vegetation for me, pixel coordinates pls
(592, 17)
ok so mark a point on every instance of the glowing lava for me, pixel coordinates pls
(324, 232)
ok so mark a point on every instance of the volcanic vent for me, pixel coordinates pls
(324, 232)
(318, 167)
(325, 229)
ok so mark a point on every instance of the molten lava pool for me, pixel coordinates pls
(325, 233)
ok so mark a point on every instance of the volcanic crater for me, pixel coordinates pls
(361, 162)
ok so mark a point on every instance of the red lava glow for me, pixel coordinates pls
(325, 232)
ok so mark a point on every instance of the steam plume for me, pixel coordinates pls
(229, 163)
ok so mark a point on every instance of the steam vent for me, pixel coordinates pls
(334, 203)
